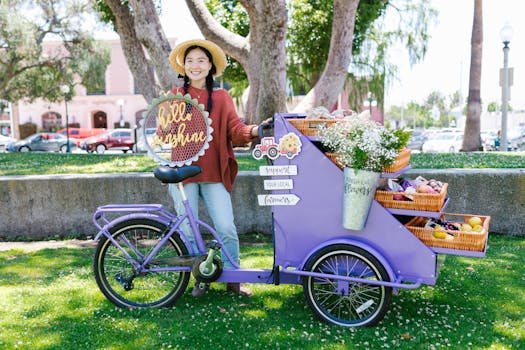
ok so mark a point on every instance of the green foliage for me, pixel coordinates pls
(496, 107)
(403, 135)
(232, 16)
(309, 34)
(49, 300)
(82, 163)
(422, 112)
(309, 40)
(406, 23)
(27, 71)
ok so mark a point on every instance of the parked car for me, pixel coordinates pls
(417, 139)
(81, 133)
(117, 139)
(489, 138)
(43, 142)
(4, 140)
(444, 142)
(141, 146)
(515, 139)
(150, 134)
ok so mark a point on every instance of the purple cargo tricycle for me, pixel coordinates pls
(143, 258)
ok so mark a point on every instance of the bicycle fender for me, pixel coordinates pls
(360, 244)
(104, 230)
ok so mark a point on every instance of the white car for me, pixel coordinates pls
(150, 134)
(4, 140)
(444, 142)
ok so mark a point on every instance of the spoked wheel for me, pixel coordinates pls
(348, 304)
(116, 276)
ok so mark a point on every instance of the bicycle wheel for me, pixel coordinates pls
(116, 277)
(348, 304)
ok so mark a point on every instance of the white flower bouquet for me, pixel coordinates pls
(363, 144)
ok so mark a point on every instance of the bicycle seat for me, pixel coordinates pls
(169, 175)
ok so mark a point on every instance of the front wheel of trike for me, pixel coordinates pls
(344, 303)
(116, 276)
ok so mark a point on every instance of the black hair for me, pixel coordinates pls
(209, 77)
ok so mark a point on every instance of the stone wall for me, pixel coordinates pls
(42, 206)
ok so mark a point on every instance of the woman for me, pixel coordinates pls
(200, 62)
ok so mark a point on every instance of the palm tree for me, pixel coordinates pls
(472, 140)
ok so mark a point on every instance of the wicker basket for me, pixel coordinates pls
(333, 158)
(309, 127)
(401, 161)
(421, 201)
(461, 240)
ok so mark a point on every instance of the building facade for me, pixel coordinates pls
(120, 106)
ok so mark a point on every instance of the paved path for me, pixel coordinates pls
(32, 246)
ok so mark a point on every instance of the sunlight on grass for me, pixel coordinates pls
(82, 163)
(476, 304)
(261, 314)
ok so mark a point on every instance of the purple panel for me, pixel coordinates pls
(317, 218)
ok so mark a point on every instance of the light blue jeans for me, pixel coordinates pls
(219, 206)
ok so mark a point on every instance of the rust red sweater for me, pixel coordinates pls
(218, 162)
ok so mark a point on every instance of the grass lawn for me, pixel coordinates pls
(49, 300)
(83, 163)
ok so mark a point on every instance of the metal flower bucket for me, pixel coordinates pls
(359, 189)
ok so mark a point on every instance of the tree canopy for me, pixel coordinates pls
(28, 70)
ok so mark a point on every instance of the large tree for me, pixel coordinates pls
(261, 52)
(472, 140)
(27, 71)
(309, 37)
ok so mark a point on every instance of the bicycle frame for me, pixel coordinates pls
(172, 223)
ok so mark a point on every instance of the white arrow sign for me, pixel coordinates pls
(279, 184)
(277, 170)
(277, 199)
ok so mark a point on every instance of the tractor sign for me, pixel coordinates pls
(289, 146)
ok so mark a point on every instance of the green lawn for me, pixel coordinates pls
(49, 300)
(83, 163)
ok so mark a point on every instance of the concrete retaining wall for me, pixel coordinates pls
(41, 206)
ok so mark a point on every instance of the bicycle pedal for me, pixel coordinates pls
(213, 244)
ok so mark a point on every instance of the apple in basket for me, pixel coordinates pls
(425, 189)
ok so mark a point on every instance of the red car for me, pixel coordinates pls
(117, 139)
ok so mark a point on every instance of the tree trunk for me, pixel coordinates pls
(133, 51)
(268, 58)
(262, 54)
(332, 79)
(472, 140)
(149, 32)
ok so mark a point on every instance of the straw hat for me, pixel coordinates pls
(218, 56)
